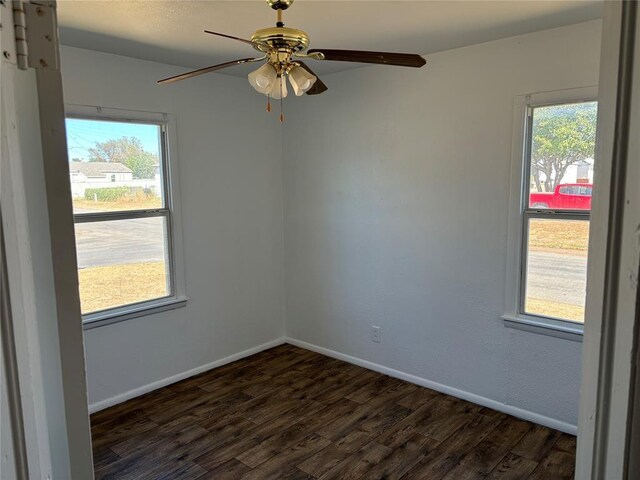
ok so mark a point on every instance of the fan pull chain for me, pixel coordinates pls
(282, 79)
(268, 104)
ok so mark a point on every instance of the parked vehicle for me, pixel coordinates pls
(566, 196)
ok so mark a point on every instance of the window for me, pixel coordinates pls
(126, 224)
(551, 205)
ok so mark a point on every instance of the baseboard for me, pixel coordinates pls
(136, 392)
(423, 382)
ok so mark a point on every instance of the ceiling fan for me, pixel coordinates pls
(282, 48)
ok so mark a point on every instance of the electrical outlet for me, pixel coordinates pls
(376, 334)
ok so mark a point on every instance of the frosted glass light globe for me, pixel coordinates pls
(264, 78)
(301, 80)
(279, 89)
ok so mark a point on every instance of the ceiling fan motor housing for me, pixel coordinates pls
(279, 4)
(281, 38)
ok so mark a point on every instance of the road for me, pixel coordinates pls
(557, 277)
(552, 276)
(120, 241)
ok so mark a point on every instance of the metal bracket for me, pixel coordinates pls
(29, 34)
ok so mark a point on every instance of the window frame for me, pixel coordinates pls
(520, 214)
(170, 211)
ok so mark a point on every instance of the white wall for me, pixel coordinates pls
(396, 202)
(229, 153)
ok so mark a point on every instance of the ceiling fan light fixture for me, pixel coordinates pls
(301, 80)
(282, 48)
(264, 78)
(279, 89)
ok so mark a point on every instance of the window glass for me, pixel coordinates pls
(562, 146)
(114, 166)
(122, 222)
(121, 262)
(555, 284)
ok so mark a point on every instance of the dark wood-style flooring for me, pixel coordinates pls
(288, 413)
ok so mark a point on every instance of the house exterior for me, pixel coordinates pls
(99, 172)
(85, 175)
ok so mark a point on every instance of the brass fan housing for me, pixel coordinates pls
(281, 37)
(279, 4)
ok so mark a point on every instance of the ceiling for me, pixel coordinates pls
(172, 31)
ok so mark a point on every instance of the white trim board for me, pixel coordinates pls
(423, 382)
(136, 392)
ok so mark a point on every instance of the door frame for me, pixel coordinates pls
(612, 287)
(39, 239)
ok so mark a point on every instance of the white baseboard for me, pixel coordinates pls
(454, 392)
(136, 392)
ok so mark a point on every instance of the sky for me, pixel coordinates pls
(83, 134)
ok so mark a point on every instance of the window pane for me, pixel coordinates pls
(557, 268)
(114, 165)
(121, 262)
(562, 151)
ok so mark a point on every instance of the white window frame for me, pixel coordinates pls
(520, 213)
(171, 212)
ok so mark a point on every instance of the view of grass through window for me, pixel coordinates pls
(116, 174)
(562, 145)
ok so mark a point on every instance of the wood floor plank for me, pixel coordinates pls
(185, 471)
(557, 465)
(135, 443)
(181, 405)
(274, 444)
(478, 463)
(232, 447)
(536, 443)
(172, 449)
(513, 467)
(442, 426)
(402, 459)
(230, 470)
(272, 469)
(327, 458)
(118, 412)
(446, 456)
(343, 425)
(566, 443)
(418, 398)
(290, 414)
(384, 419)
(234, 381)
(282, 363)
(404, 429)
(346, 387)
(123, 431)
(103, 457)
(371, 389)
(359, 463)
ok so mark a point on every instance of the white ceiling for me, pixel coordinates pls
(172, 31)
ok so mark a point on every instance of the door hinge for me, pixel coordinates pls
(34, 34)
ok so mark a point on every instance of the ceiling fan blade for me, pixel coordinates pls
(213, 68)
(381, 58)
(319, 86)
(239, 39)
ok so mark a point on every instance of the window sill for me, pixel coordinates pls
(545, 326)
(100, 319)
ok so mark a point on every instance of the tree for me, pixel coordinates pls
(562, 136)
(129, 152)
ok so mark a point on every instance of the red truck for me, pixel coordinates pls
(566, 196)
